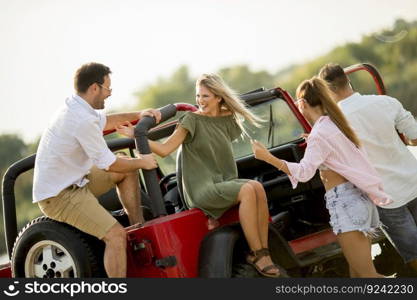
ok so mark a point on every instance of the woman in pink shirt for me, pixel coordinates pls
(352, 184)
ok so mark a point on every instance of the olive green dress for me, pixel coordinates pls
(209, 172)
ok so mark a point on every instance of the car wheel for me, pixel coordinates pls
(49, 249)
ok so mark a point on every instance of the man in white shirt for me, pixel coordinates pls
(377, 119)
(74, 166)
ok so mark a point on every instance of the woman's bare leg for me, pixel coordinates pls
(263, 212)
(353, 273)
(249, 215)
(212, 223)
(357, 250)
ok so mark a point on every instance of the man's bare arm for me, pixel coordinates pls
(115, 119)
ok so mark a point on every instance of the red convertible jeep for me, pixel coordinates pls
(175, 241)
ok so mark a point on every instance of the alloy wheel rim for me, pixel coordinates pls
(49, 259)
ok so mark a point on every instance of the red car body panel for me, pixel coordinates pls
(178, 235)
(5, 271)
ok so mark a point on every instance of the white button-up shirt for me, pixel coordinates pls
(69, 147)
(375, 120)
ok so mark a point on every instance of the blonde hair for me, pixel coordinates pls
(316, 92)
(230, 99)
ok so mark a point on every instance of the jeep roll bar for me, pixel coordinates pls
(142, 145)
(9, 199)
(371, 70)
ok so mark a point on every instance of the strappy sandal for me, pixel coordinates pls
(257, 255)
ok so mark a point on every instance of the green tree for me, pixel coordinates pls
(12, 148)
(180, 86)
(243, 80)
(393, 51)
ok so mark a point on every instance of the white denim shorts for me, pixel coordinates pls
(351, 210)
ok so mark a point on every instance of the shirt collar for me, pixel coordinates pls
(341, 102)
(84, 104)
(321, 119)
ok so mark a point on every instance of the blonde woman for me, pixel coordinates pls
(209, 170)
(352, 184)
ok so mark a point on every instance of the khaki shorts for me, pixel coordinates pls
(80, 208)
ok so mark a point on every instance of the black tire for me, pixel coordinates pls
(223, 253)
(69, 252)
(240, 268)
(244, 270)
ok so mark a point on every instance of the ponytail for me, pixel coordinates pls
(315, 92)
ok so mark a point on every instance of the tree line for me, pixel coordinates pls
(392, 51)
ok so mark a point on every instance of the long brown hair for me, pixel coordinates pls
(316, 92)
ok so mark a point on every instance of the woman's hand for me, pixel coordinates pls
(260, 151)
(126, 129)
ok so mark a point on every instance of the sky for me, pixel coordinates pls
(43, 42)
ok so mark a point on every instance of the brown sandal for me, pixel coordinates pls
(257, 255)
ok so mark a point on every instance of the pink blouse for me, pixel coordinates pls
(327, 146)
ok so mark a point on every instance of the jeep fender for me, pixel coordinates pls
(216, 252)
